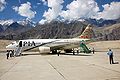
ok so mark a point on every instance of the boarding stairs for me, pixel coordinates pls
(18, 51)
(84, 48)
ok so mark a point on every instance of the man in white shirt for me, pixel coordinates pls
(110, 54)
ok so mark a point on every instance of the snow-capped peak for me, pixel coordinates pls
(6, 22)
(81, 20)
(27, 23)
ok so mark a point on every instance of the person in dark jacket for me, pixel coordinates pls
(110, 54)
(8, 53)
(93, 51)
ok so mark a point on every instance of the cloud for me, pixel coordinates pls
(80, 9)
(15, 8)
(38, 3)
(44, 2)
(25, 10)
(89, 9)
(2, 5)
(111, 11)
(55, 8)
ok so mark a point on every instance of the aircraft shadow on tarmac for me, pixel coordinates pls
(78, 54)
(101, 51)
(57, 54)
(30, 54)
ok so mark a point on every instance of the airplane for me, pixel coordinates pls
(48, 45)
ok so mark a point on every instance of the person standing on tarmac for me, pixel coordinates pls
(93, 50)
(10, 53)
(77, 51)
(110, 54)
(7, 54)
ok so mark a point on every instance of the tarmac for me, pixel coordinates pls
(34, 66)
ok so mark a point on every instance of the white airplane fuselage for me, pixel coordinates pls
(52, 43)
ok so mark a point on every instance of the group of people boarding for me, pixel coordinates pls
(10, 53)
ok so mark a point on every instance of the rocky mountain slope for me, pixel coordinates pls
(54, 29)
(108, 33)
(102, 22)
(1, 29)
(58, 29)
(10, 29)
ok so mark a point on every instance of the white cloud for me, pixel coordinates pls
(25, 10)
(44, 2)
(38, 3)
(111, 11)
(2, 5)
(80, 9)
(89, 9)
(55, 7)
(15, 8)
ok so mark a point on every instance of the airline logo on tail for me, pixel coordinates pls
(86, 33)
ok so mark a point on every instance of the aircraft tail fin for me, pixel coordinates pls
(87, 33)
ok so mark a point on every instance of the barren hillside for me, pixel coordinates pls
(104, 45)
(108, 33)
(3, 44)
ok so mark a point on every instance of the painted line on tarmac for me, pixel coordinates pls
(10, 68)
(57, 70)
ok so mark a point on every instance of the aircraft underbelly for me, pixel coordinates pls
(70, 46)
(64, 46)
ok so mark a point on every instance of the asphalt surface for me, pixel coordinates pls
(34, 66)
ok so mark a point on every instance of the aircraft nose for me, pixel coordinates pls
(8, 46)
(11, 46)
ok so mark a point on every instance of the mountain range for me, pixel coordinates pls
(26, 29)
(102, 22)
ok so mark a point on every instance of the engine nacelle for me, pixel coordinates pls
(44, 49)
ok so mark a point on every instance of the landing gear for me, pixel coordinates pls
(73, 52)
(68, 50)
(54, 51)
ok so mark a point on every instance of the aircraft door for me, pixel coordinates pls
(20, 44)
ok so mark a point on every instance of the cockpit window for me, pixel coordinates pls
(12, 43)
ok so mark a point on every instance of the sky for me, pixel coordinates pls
(48, 10)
